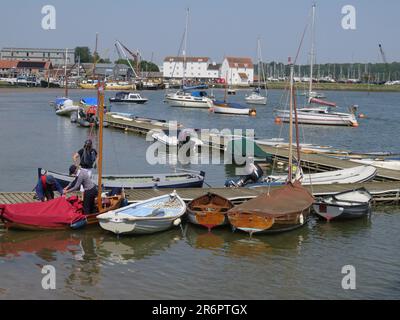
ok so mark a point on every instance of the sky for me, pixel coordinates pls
(217, 28)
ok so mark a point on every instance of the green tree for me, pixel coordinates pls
(84, 54)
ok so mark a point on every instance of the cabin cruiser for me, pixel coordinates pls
(189, 99)
(128, 97)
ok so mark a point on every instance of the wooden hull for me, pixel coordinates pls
(263, 224)
(209, 211)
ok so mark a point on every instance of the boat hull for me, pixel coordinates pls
(127, 101)
(173, 102)
(335, 119)
(338, 212)
(259, 224)
(209, 211)
(67, 111)
(174, 180)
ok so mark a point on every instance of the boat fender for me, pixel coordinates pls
(301, 219)
(177, 222)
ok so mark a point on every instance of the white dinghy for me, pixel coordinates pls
(146, 217)
(352, 175)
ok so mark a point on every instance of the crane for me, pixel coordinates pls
(383, 55)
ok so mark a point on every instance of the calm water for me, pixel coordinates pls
(192, 264)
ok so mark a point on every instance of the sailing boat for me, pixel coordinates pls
(283, 209)
(186, 97)
(233, 108)
(319, 112)
(65, 106)
(256, 97)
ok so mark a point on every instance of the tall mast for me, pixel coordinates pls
(95, 56)
(259, 62)
(100, 113)
(66, 74)
(291, 122)
(312, 49)
(185, 47)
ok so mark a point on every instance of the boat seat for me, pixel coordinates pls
(157, 213)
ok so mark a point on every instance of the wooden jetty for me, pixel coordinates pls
(382, 192)
(319, 162)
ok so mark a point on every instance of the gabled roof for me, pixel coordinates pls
(216, 66)
(237, 62)
(188, 59)
(34, 65)
(8, 64)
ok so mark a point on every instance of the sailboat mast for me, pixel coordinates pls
(100, 113)
(185, 47)
(291, 122)
(66, 74)
(312, 49)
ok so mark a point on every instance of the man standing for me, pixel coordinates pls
(86, 157)
(46, 186)
(90, 189)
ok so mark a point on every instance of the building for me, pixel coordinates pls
(237, 71)
(109, 70)
(214, 71)
(55, 56)
(196, 68)
(13, 68)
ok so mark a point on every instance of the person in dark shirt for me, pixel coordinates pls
(90, 189)
(86, 157)
(46, 186)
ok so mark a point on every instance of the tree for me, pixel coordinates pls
(84, 54)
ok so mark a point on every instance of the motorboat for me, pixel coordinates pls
(232, 108)
(189, 99)
(128, 97)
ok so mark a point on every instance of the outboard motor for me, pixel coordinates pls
(255, 174)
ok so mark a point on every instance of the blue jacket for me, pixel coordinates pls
(40, 191)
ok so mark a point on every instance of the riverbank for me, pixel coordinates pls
(272, 85)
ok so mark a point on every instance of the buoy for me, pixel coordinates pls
(177, 222)
(253, 112)
(355, 124)
(362, 115)
(278, 120)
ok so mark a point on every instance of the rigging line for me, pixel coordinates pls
(179, 50)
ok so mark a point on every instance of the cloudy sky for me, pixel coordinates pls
(216, 27)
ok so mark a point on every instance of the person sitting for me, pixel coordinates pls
(46, 186)
(90, 189)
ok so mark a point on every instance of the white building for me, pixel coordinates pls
(196, 68)
(237, 71)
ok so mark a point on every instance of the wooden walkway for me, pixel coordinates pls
(320, 162)
(383, 192)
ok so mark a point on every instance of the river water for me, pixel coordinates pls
(192, 263)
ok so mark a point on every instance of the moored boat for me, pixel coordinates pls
(141, 181)
(231, 108)
(66, 108)
(209, 210)
(128, 97)
(345, 205)
(146, 217)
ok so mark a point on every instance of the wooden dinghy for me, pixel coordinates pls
(283, 209)
(209, 210)
(146, 217)
(344, 205)
(56, 214)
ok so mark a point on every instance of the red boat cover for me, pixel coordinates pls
(54, 213)
(322, 102)
(291, 198)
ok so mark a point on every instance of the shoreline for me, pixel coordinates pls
(270, 86)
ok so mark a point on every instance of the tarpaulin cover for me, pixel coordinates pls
(54, 213)
(291, 198)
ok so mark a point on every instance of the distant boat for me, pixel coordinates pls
(390, 164)
(231, 91)
(189, 99)
(345, 205)
(128, 97)
(209, 210)
(231, 108)
(146, 217)
(66, 108)
(256, 97)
